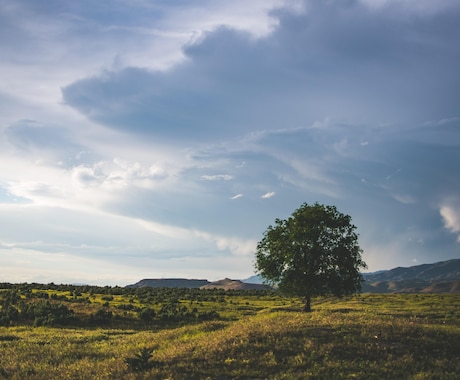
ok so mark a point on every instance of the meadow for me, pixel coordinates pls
(115, 333)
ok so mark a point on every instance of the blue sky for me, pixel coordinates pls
(143, 139)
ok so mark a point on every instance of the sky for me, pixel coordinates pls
(154, 139)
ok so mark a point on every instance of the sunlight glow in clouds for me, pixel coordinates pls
(451, 219)
(145, 139)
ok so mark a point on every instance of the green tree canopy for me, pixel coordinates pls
(315, 252)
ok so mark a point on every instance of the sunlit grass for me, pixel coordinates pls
(392, 336)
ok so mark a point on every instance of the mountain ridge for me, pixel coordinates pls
(438, 277)
(438, 271)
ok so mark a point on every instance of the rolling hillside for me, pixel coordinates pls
(440, 271)
(228, 284)
(440, 277)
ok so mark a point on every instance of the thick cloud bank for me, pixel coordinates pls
(150, 139)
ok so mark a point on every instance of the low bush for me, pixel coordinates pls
(46, 313)
(140, 361)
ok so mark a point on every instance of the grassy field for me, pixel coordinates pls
(253, 336)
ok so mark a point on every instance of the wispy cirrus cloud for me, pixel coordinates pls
(217, 177)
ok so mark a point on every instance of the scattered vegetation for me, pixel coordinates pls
(158, 333)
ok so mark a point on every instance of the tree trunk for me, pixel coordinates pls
(307, 307)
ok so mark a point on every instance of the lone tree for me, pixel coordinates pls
(315, 252)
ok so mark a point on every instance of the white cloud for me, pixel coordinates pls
(451, 218)
(118, 173)
(237, 196)
(268, 195)
(242, 165)
(404, 198)
(217, 177)
(235, 245)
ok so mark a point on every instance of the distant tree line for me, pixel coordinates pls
(51, 304)
(40, 313)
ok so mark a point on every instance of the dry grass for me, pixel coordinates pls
(363, 337)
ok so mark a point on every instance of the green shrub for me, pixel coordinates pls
(146, 314)
(45, 313)
(8, 315)
(101, 316)
(140, 361)
(208, 315)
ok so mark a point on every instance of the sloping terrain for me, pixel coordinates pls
(440, 271)
(256, 279)
(443, 287)
(228, 284)
(412, 286)
(366, 337)
(440, 277)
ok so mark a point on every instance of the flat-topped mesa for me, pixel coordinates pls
(169, 283)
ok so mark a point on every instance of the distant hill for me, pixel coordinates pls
(443, 287)
(440, 277)
(228, 284)
(440, 271)
(169, 283)
(256, 279)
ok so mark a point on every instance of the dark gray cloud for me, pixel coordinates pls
(339, 59)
